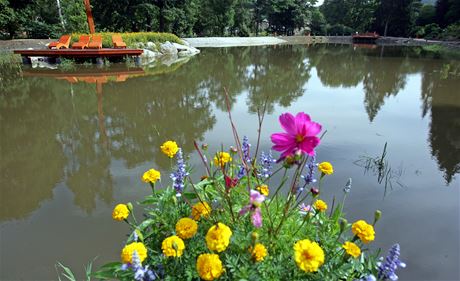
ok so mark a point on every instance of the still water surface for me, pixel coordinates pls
(73, 146)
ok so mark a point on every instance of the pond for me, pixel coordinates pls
(75, 143)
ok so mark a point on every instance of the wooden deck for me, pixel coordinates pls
(369, 37)
(77, 53)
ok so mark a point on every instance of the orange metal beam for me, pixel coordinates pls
(89, 16)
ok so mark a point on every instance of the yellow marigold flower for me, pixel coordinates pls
(326, 168)
(173, 246)
(364, 231)
(169, 148)
(320, 205)
(201, 210)
(120, 212)
(222, 158)
(259, 252)
(151, 175)
(209, 266)
(127, 252)
(186, 228)
(308, 255)
(263, 189)
(352, 249)
(218, 237)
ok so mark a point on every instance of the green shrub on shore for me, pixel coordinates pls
(131, 38)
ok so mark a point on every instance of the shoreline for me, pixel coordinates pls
(217, 42)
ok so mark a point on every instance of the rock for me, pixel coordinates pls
(169, 60)
(151, 46)
(186, 50)
(167, 48)
(150, 54)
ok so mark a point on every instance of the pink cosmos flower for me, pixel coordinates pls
(300, 135)
(254, 207)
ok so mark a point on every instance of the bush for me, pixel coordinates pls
(339, 29)
(452, 32)
(240, 222)
(432, 31)
(38, 30)
(132, 38)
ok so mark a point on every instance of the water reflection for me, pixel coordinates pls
(71, 130)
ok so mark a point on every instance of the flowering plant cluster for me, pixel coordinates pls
(249, 218)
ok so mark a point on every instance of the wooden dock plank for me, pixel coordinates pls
(85, 53)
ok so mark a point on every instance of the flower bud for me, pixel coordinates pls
(204, 146)
(289, 161)
(255, 236)
(343, 224)
(377, 216)
(233, 150)
(314, 191)
(130, 206)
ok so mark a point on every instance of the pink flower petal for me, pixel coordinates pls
(313, 129)
(300, 119)
(245, 209)
(308, 145)
(257, 218)
(288, 122)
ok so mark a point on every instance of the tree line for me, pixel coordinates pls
(44, 18)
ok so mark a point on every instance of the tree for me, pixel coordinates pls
(427, 15)
(396, 17)
(318, 22)
(286, 15)
(216, 17)
(74, 16)
(355, 14)
(242, 18)
(447, 12)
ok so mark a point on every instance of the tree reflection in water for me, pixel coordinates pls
(54, 131)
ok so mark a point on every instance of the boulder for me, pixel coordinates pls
(167, 48)
(151, 46)
(184, 50)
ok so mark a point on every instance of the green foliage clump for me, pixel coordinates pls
(222, 197)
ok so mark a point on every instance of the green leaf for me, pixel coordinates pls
(67, 272)
(145, 224)
(189, 195)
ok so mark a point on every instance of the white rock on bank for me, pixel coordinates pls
(151, 46)
(167, 48)
(150, 54)
(184, 50)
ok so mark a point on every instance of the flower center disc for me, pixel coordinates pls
(299, 138)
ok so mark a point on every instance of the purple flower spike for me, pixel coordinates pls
(247, 158)
(266, 160)
(387, 269)
(180, 174)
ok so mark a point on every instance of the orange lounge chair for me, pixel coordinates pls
(96, 42)
(82, 42)
(63, 42)
(118, 41)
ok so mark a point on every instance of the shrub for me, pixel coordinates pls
(239, 223)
